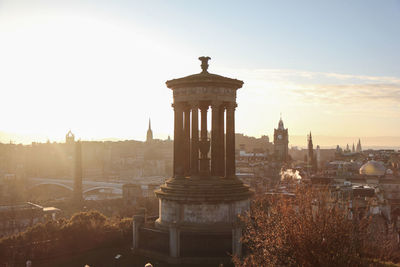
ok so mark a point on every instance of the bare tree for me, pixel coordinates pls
(305, 228)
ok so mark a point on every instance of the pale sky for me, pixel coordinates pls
(99, 67)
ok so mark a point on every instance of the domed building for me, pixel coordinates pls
(373, 168)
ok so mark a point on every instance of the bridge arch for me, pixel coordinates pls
(114, 189)
(51, 183)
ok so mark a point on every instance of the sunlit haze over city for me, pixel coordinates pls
(99, 68)
(199, 133)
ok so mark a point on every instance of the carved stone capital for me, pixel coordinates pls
(194, 104)
(178, 106)
(187, 108)
(231, 106)
(203, 106)
(215, 104)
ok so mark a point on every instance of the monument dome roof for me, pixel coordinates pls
(373, 168)
(204, 78)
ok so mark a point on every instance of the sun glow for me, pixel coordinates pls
(101, 73)
(65, 72)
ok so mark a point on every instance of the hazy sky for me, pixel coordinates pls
(99, 67)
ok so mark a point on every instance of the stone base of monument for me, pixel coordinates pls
(198, 221)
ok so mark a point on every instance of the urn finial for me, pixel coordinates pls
(204, 63)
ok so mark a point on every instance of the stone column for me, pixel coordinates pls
(230, 140)
(186, 142)
(78, 196)
(138, 220)
(204, 144)
(194, 164)
(178, 140)
(174, 241)
(215, 136)
(236, 243)
(221, 148)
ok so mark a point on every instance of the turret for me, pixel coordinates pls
(69, 138)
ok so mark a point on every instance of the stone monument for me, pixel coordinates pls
(200, 204)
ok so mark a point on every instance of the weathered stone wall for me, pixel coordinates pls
(205, 213)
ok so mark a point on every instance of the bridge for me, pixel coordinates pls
(92, 186)
(87, 186)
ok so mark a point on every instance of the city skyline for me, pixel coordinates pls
(299, 141)
(100, 69)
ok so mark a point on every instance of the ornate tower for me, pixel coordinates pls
(200, 204)
(149, 136)
(310, 152)
(69, 138)
(281, 142)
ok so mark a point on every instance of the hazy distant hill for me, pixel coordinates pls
(18, 138)
(376, 142)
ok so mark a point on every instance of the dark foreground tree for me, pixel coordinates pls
(82, 232)
(308, 228)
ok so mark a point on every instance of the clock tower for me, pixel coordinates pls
(281, 142)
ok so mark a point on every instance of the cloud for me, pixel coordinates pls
(324, 87)
(364, 78)
(350, 93)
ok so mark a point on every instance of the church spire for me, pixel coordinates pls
(359, 149)
(280, 124)
(310, 152)
(149, 136)
(310, 143)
